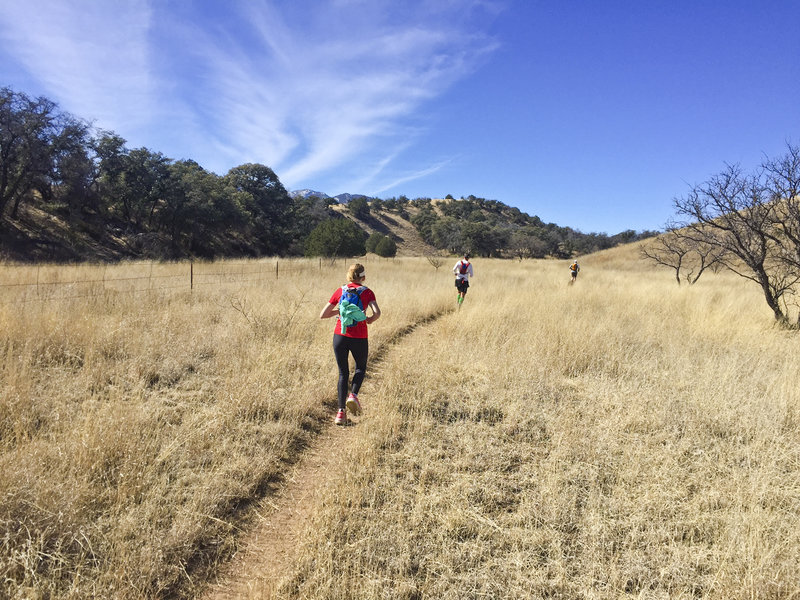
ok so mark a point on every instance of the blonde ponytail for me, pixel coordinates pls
(355, 272)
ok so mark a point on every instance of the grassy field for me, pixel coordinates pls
(135, 427)
(622, 437)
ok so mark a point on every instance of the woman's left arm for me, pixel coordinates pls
(376, 312)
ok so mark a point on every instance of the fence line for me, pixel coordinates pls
(191, 277)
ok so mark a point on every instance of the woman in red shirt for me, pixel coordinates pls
(351, 338)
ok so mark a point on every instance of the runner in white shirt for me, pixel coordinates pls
(463, 271)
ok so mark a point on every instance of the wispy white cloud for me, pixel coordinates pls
(93, 57)
(430, 170)
(311, 89)
(316, 92)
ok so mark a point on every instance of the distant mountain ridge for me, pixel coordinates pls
(340, 199)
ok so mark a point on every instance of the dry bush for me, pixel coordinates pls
(621, 437)
(137, 425)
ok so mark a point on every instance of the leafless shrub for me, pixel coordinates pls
(435, 261)
(687, 256)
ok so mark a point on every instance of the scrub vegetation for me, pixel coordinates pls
(622, 437)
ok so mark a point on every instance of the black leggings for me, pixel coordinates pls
(342, 348)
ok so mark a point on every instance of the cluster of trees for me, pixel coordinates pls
(382, 245)
(491, 228)
(747, 222)
(71, 170)
(336, 237)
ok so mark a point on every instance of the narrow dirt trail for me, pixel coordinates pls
(269, 550)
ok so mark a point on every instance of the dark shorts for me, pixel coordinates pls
(462, 285)
(574, 274)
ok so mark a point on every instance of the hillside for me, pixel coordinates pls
(409, 242)
(44, 233)
(38, 236)
(100, 200)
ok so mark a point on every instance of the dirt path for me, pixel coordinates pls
(268, 551)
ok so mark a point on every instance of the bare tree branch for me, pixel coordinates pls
(737, 217)
(683, 251)
(435, 261)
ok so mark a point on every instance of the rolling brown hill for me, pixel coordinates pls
(409, 242)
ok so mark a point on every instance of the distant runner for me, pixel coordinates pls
(574, 268)
(463, 271)
(349, 303)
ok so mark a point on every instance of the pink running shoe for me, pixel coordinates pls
(353, 405)
(341, 417)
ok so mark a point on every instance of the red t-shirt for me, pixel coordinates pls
(357, 330)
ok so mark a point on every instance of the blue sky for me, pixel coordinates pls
(589, 114)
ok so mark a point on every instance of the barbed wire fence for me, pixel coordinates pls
(22, 284)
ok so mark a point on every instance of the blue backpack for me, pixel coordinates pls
(351, 297)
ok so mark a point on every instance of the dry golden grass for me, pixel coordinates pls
(622, 437)
(619, 438)
(135, 428)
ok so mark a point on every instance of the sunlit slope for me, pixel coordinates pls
(625, 257)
